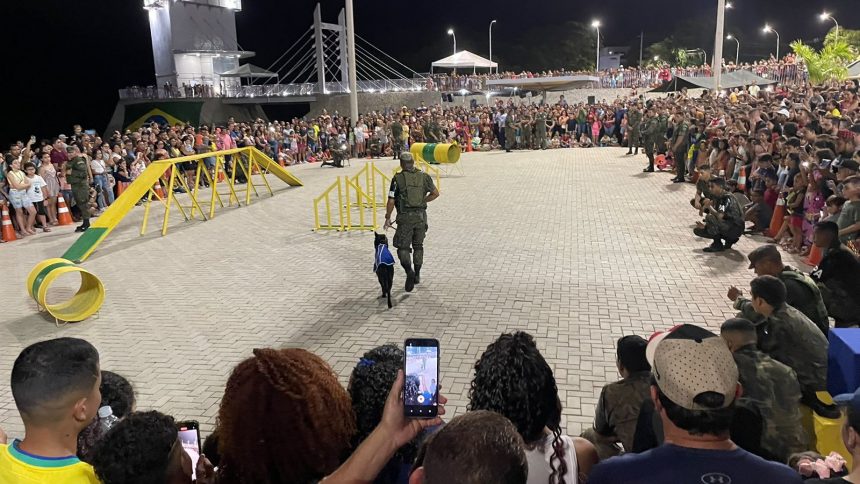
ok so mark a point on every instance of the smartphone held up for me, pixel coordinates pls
(189, 436)
(421, 385)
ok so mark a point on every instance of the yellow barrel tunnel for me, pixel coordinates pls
(86, 301)
(434, 153)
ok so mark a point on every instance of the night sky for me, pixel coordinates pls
(66, 59)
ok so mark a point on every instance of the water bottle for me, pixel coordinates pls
(106, 419)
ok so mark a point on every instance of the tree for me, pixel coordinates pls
(850, 37)
(573, 48)
(829, 64)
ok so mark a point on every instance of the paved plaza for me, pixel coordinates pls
(575, 246)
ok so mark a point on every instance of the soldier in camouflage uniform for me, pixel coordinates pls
(396, 138)
(651, 137)
(411, 190)
(802, 292)
(680, 144)
(789, 337)
(79, 176)
(634, 119)
(619, 403)
(540, 130)
(724, 219)
(663, 128)
(769, 387)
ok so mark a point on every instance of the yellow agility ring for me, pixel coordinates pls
(86, 301)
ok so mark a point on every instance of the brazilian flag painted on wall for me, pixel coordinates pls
(163, 113)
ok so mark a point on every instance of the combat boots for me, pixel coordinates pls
(417, 274)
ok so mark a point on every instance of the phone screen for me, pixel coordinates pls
(422, 378)
(189, 436)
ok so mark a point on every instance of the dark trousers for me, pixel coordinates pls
(680, 158)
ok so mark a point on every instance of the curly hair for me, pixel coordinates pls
(136, 450)
(369, 385)
(284, 418)
(512, 378)
(118, 394)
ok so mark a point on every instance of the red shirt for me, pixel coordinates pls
(770, 197)
(59, 158)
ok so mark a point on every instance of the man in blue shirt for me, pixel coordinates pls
(694, 388)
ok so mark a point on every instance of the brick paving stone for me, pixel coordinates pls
(576, 246)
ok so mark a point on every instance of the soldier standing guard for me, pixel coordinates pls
(411, 190)
(396, 135)
(80, 177)
(679, 144)
(634, 119)
(651, 136)
(540, 130)
(526, 131)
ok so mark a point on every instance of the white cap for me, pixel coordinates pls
(105, 411)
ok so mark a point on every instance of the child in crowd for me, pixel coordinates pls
(758, 212)
(833, 207)
(55, 384)
(794, 207)
(813, 204)
(585, 141)
(34, 193)
(771, 192)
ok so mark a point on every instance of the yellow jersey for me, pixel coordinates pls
(19, 467)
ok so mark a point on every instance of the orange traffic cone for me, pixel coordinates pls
(778, 218)
(63, 215)
(8, 230)
(742, 179)
(120, 187)
(221, 176)
(158, 190)
(814, 256)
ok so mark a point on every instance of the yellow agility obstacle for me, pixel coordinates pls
(359, 199)
(90, 296)
(444, 155)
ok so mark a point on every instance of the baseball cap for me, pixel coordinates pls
(763, 252)
(688, 361)
(783, 112)
(62, 136)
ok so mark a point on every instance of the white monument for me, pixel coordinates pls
(193, 41)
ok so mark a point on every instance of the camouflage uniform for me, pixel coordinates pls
(78, 178)
(772, 388)
(409, 190)
(801, 293)
(681, 134)
(527, 133)
(396, 138)
(730, 228)
(791, 338)
(651, 138)
(634, 119)
(510, 137)
(540, 130)
(662, 128)
(616, 414)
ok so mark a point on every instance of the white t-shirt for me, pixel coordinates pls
(539, 458)
(98, 166)
(34, 193)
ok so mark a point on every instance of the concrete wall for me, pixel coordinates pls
(372, 101)
(574, 96)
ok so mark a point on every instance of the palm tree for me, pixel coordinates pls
(830, 64)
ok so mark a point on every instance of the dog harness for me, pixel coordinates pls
(383, 257)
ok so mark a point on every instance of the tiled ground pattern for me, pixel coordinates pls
(576, 246)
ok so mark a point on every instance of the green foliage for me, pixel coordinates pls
(571, 46)
(850, 37)
(830, 64)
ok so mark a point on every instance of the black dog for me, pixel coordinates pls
(383, 265)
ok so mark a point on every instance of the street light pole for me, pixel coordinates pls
(717, 67)
(350, 44)
(451, 33)
(491, 47)
(767, 29)
(596, 25)
(824, 16)
(738, 52)
(641, 45)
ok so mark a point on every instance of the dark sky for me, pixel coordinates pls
(66, 59)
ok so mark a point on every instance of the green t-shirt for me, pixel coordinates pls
(850, 215)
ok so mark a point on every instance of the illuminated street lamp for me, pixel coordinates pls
(768, 29)
(824, 16)
(738, 52)
(596, 25)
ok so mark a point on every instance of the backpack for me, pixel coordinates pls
(412, 185)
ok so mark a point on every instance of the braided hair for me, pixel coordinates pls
(284, 418)
(512, 378)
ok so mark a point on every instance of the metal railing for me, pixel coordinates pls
(791, 74)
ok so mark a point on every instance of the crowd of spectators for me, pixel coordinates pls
(691, 406)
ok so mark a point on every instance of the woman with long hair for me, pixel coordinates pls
(284, 418)
(512, 378)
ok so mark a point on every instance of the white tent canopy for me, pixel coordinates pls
(249, 71)
(462, 60)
